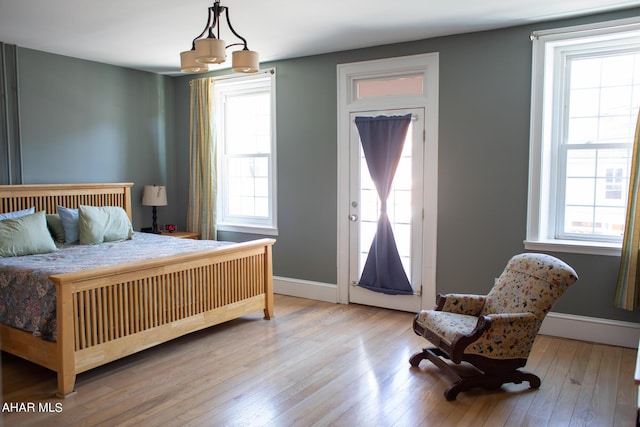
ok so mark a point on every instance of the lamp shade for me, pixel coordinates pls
(210, 51)
(188, 63)
(244, 61)
(154, 195)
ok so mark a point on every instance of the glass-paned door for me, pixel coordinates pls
(404, 209)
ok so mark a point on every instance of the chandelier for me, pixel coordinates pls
(212, 50)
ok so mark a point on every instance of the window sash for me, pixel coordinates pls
(606, 222)
(246, 176)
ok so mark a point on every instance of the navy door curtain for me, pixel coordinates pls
(382, 140)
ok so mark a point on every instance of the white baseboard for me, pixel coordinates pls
(591, 329)
(305, 289)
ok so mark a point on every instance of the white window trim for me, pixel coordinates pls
(540, 158)
(252, 228)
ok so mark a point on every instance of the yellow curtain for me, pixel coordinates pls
(202, 146)
(628, 289)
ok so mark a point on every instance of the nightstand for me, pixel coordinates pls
(182, 234)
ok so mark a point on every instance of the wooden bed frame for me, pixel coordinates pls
(104, 314)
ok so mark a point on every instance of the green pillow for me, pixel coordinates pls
(26, 235)
(103, 224)
(55, 227)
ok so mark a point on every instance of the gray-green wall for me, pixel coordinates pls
(85, 121)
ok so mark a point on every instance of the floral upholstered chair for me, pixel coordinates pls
(494, 332)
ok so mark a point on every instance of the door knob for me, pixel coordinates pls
(353, 217)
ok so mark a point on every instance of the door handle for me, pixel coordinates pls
(353, 217)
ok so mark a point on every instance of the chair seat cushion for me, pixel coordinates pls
(446, 325)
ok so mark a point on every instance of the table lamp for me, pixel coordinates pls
(154, 195)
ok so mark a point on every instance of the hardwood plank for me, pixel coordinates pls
(565, 404)
(626, 398)
(317, 363)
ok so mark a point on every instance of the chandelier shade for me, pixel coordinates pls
(208, 48)
(210, 51)
(188, 63)
(245, 61)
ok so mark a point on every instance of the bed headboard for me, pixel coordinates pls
(47, 197)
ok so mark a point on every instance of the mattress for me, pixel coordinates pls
(27, 296)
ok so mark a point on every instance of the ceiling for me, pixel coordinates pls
(149, 35)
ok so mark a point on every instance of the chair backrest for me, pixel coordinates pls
(531, 283)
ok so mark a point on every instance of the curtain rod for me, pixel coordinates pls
(238, 76)
(413, 117)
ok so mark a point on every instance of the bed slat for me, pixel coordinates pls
(100, 315)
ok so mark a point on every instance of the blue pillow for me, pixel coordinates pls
(17, 214)
(69, 218)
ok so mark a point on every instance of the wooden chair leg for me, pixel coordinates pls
(487, 380)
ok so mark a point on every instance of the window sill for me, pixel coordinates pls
(249, 229)
(574, 246)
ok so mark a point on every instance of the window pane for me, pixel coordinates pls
(369, 205)
(581, 163)
(609, 192)
(406, 85)
(261, 187)
(247, 181)
(617, 70)
(261, 166)
(582, 131)
(585, 73)
(616, 101)
(241, 109)
(578, 220)
(580, 191)
(615, 129)
(609, 221)
(584, 102)
(261, 207)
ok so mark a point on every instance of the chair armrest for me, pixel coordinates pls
(510, 336)
(468, 304)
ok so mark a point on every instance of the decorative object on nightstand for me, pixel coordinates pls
(181, 234)
(154, 195)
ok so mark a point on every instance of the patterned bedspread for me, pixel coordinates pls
(27, 296)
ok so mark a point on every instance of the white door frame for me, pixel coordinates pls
(348, 102)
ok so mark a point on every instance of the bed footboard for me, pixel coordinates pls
(108, 313)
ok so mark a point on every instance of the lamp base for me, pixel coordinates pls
(154, 228)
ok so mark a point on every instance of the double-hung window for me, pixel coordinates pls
(585, 101)
(244, 118)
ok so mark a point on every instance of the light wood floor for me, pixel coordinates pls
(321, 364)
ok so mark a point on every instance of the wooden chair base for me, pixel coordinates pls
(488, 379)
